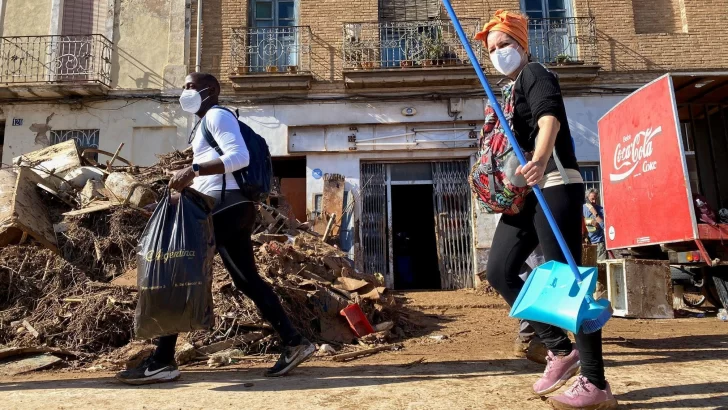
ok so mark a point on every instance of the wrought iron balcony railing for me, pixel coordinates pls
(563, 41)
(55, 59)
(406, 44)
(271, 49)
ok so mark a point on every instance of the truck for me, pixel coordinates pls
(664, 175)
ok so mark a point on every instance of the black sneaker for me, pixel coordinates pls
(292, 356)
(148, 372)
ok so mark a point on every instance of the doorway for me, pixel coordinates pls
(414, 245)
(415, 224)
(290, 173)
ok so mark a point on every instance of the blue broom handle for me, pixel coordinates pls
(499, 112)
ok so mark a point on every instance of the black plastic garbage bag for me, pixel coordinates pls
(174, 268)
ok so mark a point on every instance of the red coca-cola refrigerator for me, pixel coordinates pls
(658, 147)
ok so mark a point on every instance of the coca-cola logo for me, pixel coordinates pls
(633, 152)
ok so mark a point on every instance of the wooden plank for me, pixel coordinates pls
(55, 160)
(361, 353)
(8, 352)
(332, 202)
(22, 211)
(294, 190)
(91, 209)
(28, 364)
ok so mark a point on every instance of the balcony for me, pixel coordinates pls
(408, 54)
(52, 66)
(566, 45)
(271, 58)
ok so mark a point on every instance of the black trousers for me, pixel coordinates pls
(516, 237)
(233, 227)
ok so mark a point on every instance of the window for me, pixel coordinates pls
(274, 13)
(84, 138)
(551, 31)
(274, 40)
(592, 179)
(404, 40)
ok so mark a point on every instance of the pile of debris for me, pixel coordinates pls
(69, 229)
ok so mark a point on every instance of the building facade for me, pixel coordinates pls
(380, 92)
(103, 72)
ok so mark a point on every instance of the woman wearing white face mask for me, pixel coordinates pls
(533, 101)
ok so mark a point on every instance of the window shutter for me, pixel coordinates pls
(81, 17)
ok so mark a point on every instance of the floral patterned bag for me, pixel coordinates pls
(493, 177)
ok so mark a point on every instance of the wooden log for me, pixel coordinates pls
(123, 186)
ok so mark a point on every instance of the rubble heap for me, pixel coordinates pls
(75, 287)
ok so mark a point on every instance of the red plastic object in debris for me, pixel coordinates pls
(357, 320)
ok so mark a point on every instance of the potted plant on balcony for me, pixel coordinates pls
(271, 69)
(433, 48)
(562, 59)
(292, 69)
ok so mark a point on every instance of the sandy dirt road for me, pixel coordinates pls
(662, 364)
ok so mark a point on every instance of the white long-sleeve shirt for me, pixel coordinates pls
(224, 128)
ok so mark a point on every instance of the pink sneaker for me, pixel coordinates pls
(584, 395)
(559, 369)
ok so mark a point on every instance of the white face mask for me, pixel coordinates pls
(191, 100)
(506, 60)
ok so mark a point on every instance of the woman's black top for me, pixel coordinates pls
(537, 93)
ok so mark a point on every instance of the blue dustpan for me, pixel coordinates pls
(555, 293)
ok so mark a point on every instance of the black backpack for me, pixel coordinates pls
(255, 179)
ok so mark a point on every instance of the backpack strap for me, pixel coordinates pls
(238, 175)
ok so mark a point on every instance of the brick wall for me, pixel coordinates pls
(219, 17)
(659, 16)
(623, 47)
(636, 39)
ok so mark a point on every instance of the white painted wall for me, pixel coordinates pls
(583, 114)
(145, 127)
(272, 122)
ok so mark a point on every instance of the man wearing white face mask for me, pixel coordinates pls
(233, 219)
(538, 120)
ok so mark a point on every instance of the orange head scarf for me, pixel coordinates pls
(513, 24)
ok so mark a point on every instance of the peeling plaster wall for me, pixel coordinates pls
(26, 18)
(150, 38)
(150, 51)
(145, 127)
